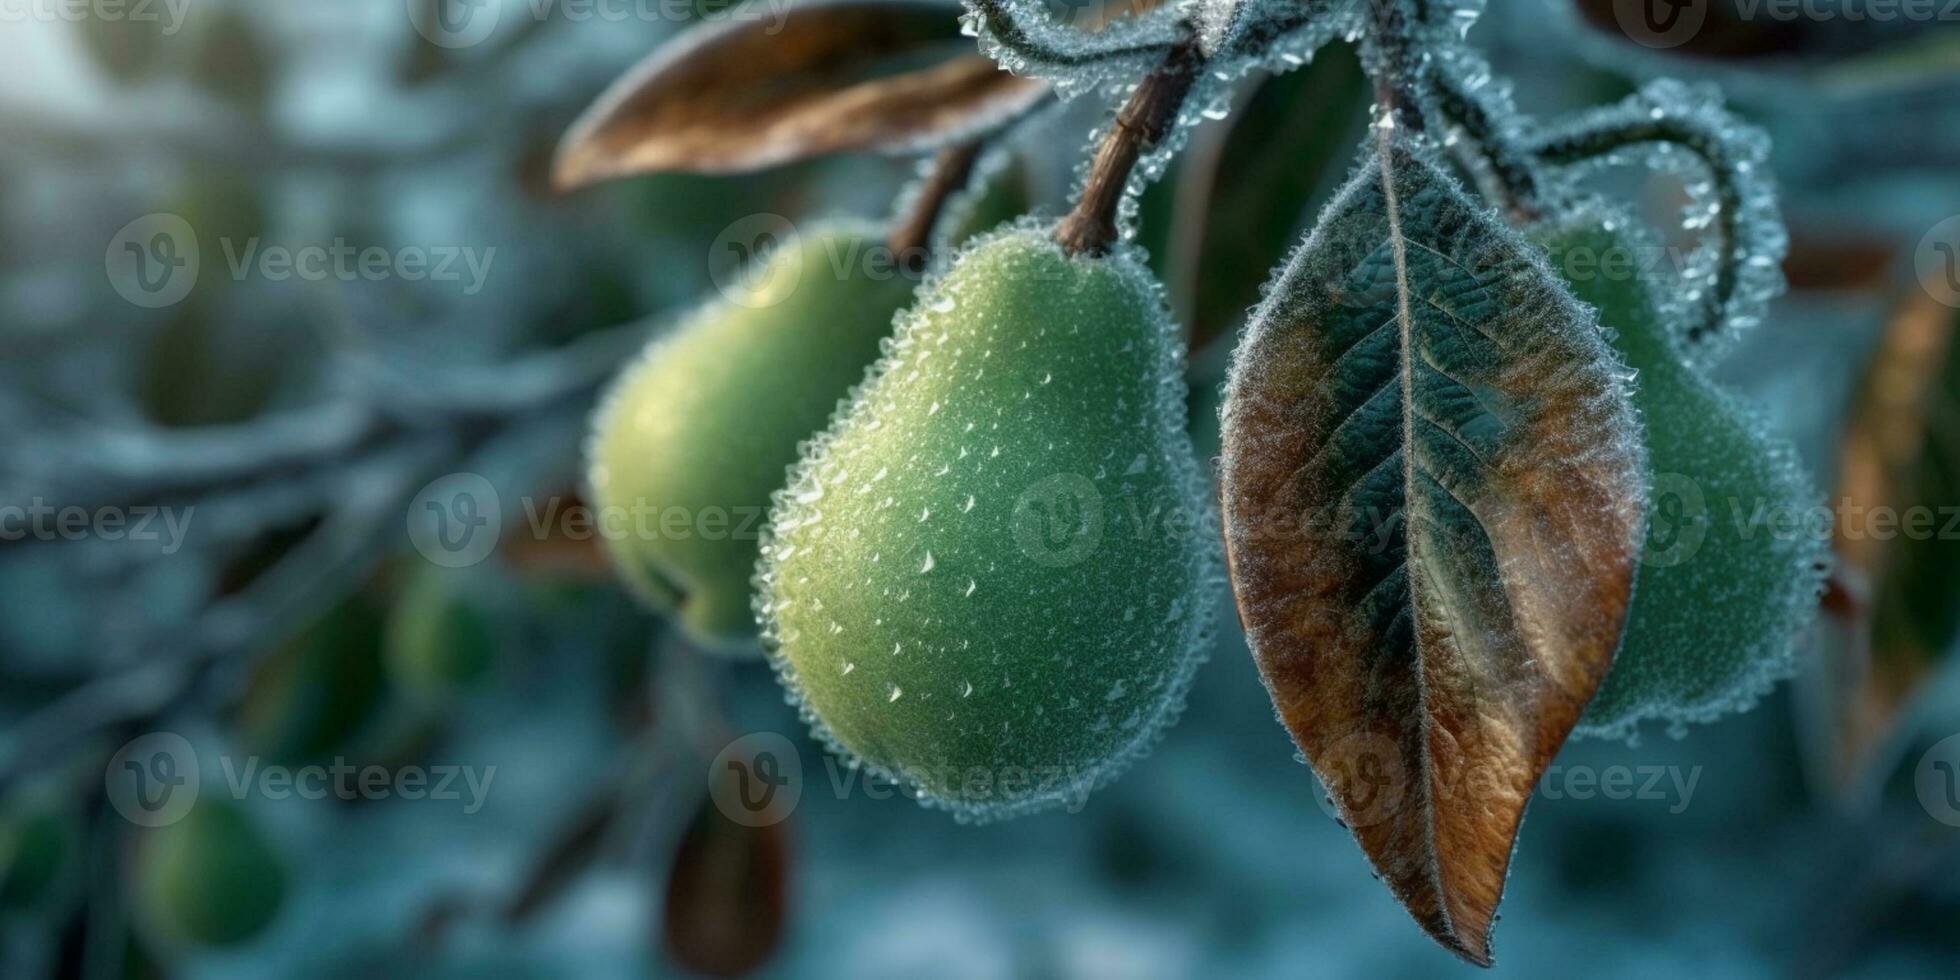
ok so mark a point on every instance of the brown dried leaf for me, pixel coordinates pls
(1900, 457)
(881, 75)
(1434, 507)
(725, 910)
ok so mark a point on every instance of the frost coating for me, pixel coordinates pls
(1726, 282)
(1236, 36)
(1276, 35)
(992, 577)
(1725, 587)
(1026, 39)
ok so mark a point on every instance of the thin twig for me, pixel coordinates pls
(1514, 169)
(911, 238)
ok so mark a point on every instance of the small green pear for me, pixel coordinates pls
(992, 577)
(693, 438)
(38, 848)
(320, 691)
(1727, 579)
(210, 879)
(439, 642)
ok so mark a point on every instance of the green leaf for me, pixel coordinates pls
(1433, 505)
(1287, 149)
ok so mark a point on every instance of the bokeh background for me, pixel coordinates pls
(295, 422)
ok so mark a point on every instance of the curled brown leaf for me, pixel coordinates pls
(858, 75)
(725, 910)
(1898, 461)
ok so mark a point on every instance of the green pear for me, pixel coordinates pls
(1727, 578)
(992, 577)
(693, 438)
(323, 689)
(39, 847)
(210, 879)
(439, 643)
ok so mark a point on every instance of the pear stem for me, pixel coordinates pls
(1090, 227)
(911, 238)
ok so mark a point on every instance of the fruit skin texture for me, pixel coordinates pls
(991, 578)
(700, 431)
(209, 879)
(1712, 624)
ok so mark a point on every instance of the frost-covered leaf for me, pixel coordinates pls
(885, 75)
(1899, 479)
(1727, 283)
(1434, 505)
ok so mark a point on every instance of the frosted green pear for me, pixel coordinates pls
(695, 436)
(992, 576)
(210, 879)
(1728, 578)
(439, 643)
(39, 848)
